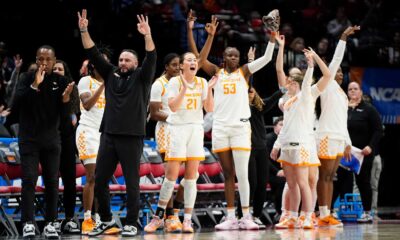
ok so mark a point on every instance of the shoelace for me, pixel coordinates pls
(73, 224)
(50, 228)
(129, 228)
(29, 228)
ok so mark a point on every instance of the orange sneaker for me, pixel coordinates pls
(289, 223)
(329, 221)
(87, 226)
(155, 224)
(173, 224)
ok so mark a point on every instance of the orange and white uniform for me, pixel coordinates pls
(159, 93)
(297, 138)
(87, 133)
(185, 126)
(332, 134)
(231, 127)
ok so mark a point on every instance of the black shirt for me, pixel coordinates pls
(40, 111)
(127, 94)
(275, 166)
(258, 133)
(364, 125)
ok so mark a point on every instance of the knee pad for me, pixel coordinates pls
(182, 183)
(190, 192)
(166, 190)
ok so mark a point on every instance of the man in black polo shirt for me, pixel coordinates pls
(41, 100)
(127, 89)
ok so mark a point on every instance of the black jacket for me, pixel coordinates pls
(258, 133)
(40, 111)
(364, 125)
(127, 95)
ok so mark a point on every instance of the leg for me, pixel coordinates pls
(375, 175)
(129, 151)
(29, 165)
(88, 190)
(68, 175)
(226, 160)
(241, 161)
(252, 174)
(50, 161)
(260, 191)
(190, 185)
(105, 166)
(363, 181)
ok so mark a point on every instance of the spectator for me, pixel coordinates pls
(337, 25)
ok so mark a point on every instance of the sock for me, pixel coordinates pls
(160, 212)
(245, 211)
(87, 215)
(302, 213)
(294, 214)
(169, 212)
(323, 211)
(231, 213)
(176, 212)
(187, 216)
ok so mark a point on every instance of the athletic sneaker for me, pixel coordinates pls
(365, 218)
(71, 227)
(50, 231)
(173, 224)
(28, 231)
(129, 231)
(284, 216)
(272, 20)
(259, 223)
(155, 224)
(101, 227)
(247, 223)
(228, 224)
(307, 223)
(57, 226)
(187, 226)
(329, 221)
(288, 223)
(88, 225)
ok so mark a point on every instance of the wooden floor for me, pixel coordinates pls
(350, 231)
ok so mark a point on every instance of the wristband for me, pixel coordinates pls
(83, 30)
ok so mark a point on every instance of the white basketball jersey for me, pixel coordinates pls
(159, 93)
(231, 99)
(93, 117)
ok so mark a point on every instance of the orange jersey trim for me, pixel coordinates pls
(84, 157)
(221, 150)
(303, 164)
(241, 149)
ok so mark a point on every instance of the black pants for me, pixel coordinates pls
(277, 186)
(258, 176)
(344, 183)
(113, 149)
(48, 154)
(68, 174)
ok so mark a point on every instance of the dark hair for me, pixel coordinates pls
(277, 120)
(131, 51)
(169, 57)
(182, 57)
(67, 72)
(48, 47)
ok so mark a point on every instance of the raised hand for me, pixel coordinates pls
(190, 19)
(280, 39)
(213, 81)
(184, 82)
(143, 25)
(351, 30)
(211, 28)
(82, 20)
(67, 92)
(251, 54)
(309, 53)
(39, 76)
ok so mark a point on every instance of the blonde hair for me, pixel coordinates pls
(257, 101)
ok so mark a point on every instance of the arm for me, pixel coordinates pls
(209, 102)
(326, 74)
(190, 23)
(155, 113)
(271, 101)
(375, 124)
(101, 65)
(210, 68)
(148, 68)
(340, 49)
(88, 100)
(260, 62)
(176, 96)
(279, 61)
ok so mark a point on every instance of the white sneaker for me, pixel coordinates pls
(228, 224)
(365, 218)
(129, 231)
(247, 223)
(49, 231)
(28, 231)
(259, 223)
(71, 227)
